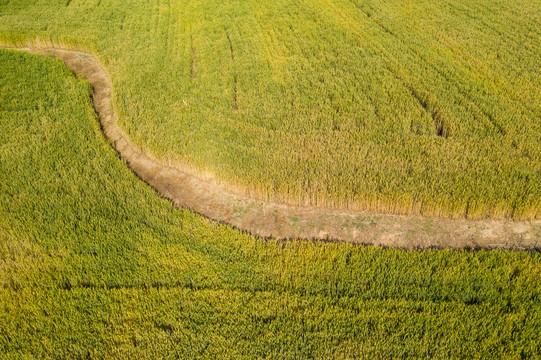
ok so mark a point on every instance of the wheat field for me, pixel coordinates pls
(94, 265)
(411, 107)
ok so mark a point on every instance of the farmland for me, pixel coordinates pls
(93, 264)
(417, 107)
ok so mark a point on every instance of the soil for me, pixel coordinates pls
(266, 219)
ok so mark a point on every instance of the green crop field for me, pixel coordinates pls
(416, 106)
(94, 265)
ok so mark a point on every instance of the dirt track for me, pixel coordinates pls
(216, 202)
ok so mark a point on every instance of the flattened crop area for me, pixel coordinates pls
(417, 107)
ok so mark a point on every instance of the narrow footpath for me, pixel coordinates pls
(216, 202)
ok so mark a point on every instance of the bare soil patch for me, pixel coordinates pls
(266, 219)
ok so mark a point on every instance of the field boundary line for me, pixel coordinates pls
(268, 219)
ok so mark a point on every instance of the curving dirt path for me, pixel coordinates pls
(266, 219)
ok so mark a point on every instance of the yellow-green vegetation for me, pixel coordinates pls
(94, 265)
(415, 106)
